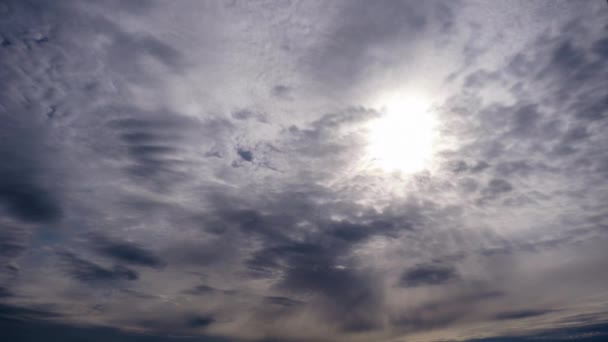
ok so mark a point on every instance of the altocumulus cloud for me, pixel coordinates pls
(200, 171)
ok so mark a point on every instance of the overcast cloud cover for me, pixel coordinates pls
(196, 171)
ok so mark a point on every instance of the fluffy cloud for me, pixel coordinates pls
(198, 171)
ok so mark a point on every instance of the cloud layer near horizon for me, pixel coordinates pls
(197, 170)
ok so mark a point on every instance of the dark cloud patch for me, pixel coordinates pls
(153, 143)
(281, 91)
(519, 65)
(479, 166)
(5, 293)
(521, 314)
(90, 272)
(495, 188)
(126, 252)
(150, 152)
(513, 168)
(24, 169)
(268, 261)
(586, 333)
(199, 321)
(28, 200)
(466, 167)
(10, 312)
(182, 325)
(573, 74)
(13, 241)
(37, 330)
(323, 247)
(592, 109)
(249, 114)
(576, 134)
(359, 232)
(321, 267)
(429, 274)
(600, 47)
(281, 301)
(567, 57)
(202, 290)
(428, 317)
(346, 294)
(468, 185)
(526, 119)
(252, 222)
(571, 140)
(246, 155)
(458, 166)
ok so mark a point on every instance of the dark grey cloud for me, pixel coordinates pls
(8, 313)
(13, 241)
(521, 314)
(281, 91)
(90, 272)
(5, 293)
(590, 333)
(497, 186)
(199, 321)
(600, 47)
(165, 172)
(28, 330)
(248, 114)
(431, 274)
(151, 141)
(25, 191)
(201, 290)
(282, 301)
(127, 252)
(245, 154)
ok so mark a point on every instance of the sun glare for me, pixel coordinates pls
(402, 138)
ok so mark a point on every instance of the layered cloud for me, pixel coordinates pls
(199, 171)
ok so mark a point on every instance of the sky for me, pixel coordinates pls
(303, 170)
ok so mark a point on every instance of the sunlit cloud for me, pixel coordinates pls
(350, 170)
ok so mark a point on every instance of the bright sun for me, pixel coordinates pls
(402, 138)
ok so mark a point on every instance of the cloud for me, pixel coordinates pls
(25, 192)
(245, 154)
(596, 332)
(496, 187)
(362, 32)
(90, 272)
(199, 171)
(126, 252)
(521, 314)
(8, 312)
(199, 321)
(428, 275)
(26, 330)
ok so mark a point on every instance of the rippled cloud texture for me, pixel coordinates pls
(194, 171)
